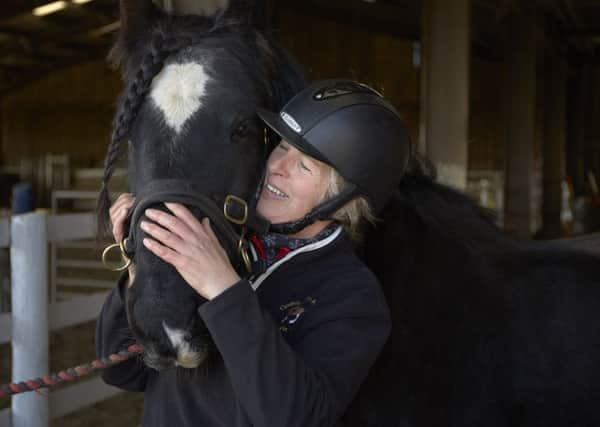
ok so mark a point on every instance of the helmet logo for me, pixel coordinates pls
(289, 120)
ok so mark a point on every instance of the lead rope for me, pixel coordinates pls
(70, 374)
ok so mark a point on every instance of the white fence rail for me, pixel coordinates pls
(28, 326)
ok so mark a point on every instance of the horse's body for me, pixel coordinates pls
(486, 330)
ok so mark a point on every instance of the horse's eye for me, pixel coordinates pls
(242, 130)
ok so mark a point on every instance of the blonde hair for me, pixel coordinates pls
(353, 215)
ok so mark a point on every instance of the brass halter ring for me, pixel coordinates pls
(125, 258)
(244, 251)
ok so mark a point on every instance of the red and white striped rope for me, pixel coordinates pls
(70, 374)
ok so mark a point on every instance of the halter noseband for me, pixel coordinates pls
(235, 210)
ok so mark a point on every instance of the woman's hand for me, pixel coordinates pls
(191, 247)
(118, 214)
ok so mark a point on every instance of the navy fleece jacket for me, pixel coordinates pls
(293, 352)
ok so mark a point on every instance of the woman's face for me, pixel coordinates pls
(294, 184)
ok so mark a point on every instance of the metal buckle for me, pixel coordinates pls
(229, 200)
(125, 258)
(243, 250)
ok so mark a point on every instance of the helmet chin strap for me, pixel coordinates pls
(323, 211)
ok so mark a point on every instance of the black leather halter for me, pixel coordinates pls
(180, 191)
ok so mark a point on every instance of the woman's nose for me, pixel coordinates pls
(279, 164)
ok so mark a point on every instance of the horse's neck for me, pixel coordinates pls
(430, 237)
(453, 216)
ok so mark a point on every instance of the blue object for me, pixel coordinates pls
(22, 200)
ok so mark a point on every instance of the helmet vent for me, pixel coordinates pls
(343, 88)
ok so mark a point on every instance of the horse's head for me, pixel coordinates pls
(188, 114)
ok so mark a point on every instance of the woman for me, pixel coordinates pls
(297, 339)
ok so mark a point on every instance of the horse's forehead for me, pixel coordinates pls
(179, 91)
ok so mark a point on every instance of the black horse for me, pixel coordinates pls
(188, 113)
(487, 331)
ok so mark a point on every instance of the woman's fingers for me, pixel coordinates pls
(164, 236)
(124, 200)
(182, 233)
(118, 214)
(171, 223)
(185, 215)
(210, 233)
(118, 221)
(167, 254)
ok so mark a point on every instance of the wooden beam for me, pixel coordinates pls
(19, 9)
(398, 20)
(15, 9)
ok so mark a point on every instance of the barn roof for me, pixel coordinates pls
(32, 46)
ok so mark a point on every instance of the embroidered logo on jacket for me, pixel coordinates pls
(293, 311)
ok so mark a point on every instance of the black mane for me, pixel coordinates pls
(446, 212)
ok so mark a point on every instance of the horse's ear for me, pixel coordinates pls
(137, 17)
(192, 7)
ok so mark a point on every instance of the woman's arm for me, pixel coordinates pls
(311, 381)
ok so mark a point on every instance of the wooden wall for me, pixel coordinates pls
(71, 111)
(486, 125)
(329, 48)
(66, 112)
(332, 49)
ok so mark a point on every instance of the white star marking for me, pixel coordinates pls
(177, 91)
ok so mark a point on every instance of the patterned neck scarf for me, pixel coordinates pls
(271, 247)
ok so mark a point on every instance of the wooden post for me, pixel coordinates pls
(554, 145)
(29, 272)
(520, 94)
(444, 128)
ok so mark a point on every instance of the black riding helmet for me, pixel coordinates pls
(352, 128)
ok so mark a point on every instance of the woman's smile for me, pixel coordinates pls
(273, 191)
(294, 184)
